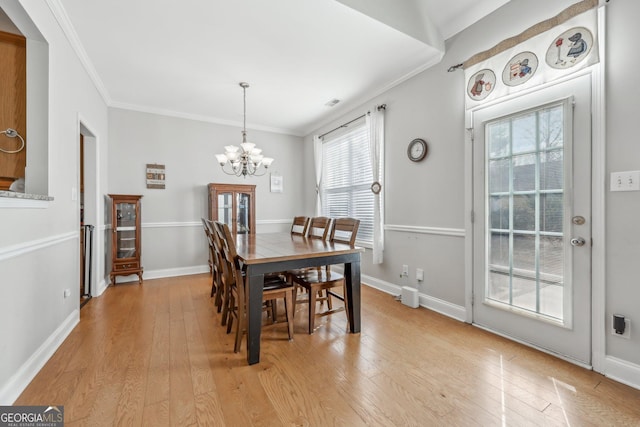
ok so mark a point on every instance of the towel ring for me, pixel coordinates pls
(12, 133)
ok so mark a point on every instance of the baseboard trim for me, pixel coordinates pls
(21, 379)
(435, 304)
(622, 371)
(102, 286)
(167, 272)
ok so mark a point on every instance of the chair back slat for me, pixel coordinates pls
(345, 230)
(231, 267)
(300, 225)
(319, 227)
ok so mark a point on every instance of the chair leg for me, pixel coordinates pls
(289, 299)
(218, 300)
(229, 318)
(225, 306)
(312, 310)
(329, 303)
(295, 298)
(214, 290)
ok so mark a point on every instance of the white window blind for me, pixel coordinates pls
(347, 178)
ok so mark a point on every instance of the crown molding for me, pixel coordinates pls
(200, 118)
(60, 14)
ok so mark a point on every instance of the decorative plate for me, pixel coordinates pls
(569, 48)
(481, 84)
(520, 68)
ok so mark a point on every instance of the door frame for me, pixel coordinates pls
(93, 213)
(598, 180)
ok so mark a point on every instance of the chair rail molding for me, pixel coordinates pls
(452, 232)
(34, 245)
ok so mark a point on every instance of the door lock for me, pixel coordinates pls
(577, 241)
(578, 220)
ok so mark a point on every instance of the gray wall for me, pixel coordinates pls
(431, 194)
(623, 154)
(172, 238)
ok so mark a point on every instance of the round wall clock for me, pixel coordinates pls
(417, 150)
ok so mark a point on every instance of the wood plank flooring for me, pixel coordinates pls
(156, 355)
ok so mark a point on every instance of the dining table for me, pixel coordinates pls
(264, 253)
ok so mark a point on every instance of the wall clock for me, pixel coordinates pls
(417, 150)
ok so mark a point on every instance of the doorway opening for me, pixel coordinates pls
(87, 213)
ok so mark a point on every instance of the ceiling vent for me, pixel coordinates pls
(332, 102)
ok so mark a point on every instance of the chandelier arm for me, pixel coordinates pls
(242, 165)
(232, 172)
(261, 174)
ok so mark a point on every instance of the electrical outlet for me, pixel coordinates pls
(627, 329)
(419, 274)
(67, 293)
(405, 270)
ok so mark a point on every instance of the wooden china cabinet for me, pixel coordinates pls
(125, 240)
(235, 205)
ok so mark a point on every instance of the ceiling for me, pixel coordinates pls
(185, 58)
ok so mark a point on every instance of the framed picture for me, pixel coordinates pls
(155, 176)
(276, 183)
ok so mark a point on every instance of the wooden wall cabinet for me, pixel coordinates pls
(125, 241)
(13, 106)
(235, 205)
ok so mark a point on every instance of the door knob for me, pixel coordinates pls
(577, 241)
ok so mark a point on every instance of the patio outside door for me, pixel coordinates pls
(532, 226)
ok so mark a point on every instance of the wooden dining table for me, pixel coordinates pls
(275, 252)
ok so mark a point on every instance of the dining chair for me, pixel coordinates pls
(236, 283)
(300, 225)
(319, 227)
(317, 281)
(206, 233)
(213, 267)
(218, 277)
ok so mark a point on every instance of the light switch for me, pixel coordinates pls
(625, 181)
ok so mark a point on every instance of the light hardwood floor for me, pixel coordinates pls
(156, 355)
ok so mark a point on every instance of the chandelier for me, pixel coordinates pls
(246, 159)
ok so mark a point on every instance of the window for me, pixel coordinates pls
(525, 206)
(346, 179)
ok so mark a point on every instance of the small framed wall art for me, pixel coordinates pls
(155, 176)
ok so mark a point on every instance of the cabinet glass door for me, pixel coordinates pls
(225, 209)
(244, 214)
(125, 230)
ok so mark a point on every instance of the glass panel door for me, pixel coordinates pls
(125, 230)
(532, 231)
(525, 200)
(225, 209)
(244, 218)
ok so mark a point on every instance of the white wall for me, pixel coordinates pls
(172, 238)
(39, 248)
(430, 195)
